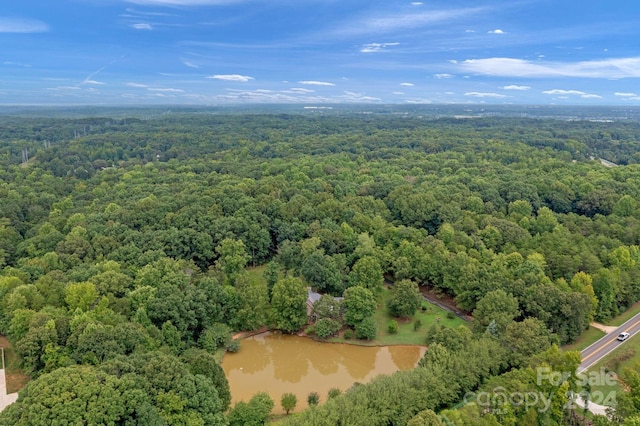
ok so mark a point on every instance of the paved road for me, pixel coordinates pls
(608, 343)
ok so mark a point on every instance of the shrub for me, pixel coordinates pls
(327, 327)
(366, 329)
(393, 327)
(232, 345)
(417, 324)
(333, 392)
(348, 334)
(451, 315)
(313, 399)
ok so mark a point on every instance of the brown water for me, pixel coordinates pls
(278, 364)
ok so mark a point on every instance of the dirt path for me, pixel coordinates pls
(606, 328)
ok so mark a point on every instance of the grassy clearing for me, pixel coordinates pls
(255, 273)
(587, 338)
(626, 315)
(14, 376)
(406, 334)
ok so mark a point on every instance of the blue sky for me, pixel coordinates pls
(128, 52)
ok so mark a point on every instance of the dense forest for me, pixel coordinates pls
(125, 241)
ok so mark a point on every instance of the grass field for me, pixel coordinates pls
(15, 378)
(626, 315)
(587, 338)
(406, 334)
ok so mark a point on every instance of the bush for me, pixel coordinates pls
(348, 334)
(366, 329)
(333, 393)
(232, 345)
(327, 327)
(451, 315)
(214, 337)
(417, 324)
(393, 327)
(313, 399)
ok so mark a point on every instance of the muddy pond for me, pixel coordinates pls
(278, 364)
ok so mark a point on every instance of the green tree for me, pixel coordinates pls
(289, 303)
(271, 274)
(425, 418)
(366, 272)
(326, 307)
(359, 303)
(366, 329)
(80, 296)
(253, 413)
(498, 307)
(288, 402)
(232, 258)
(405, 299)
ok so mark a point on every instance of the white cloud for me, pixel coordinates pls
(406, 84)
(418, 101)
(469, 31)
(397, 93)
(301, 90)
(160, 89)
(515, 87)
(64, 88)
(416, 3)
(231, 77)
(563, 92)
(95, 82)
(510, 67)
(442, 76)
(625, 94)
(376, 47)
(190, 64)
(496, 31)
(384, 22)
(316, 83)
(130, 84)
(141, 26)
(358, 97)
(484, 95)
(22, 26)
(16, 64)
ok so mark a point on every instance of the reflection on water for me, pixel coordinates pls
(279, 364)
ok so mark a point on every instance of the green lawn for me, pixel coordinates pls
(587, 338)
(626, 315)
(255, 273)
(406, 334)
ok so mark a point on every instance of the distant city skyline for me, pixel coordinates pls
(216, 52)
